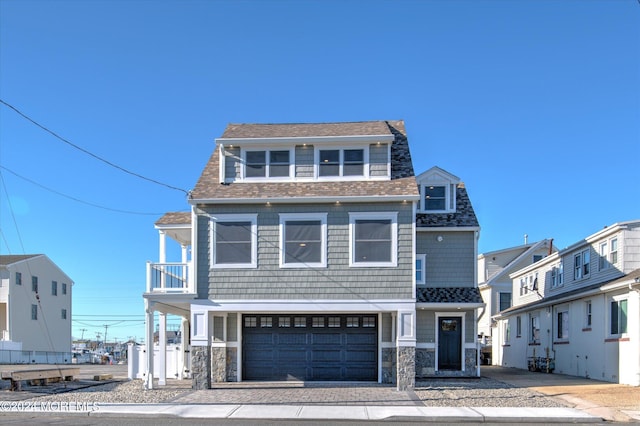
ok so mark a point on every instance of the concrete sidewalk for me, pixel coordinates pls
(317, 412)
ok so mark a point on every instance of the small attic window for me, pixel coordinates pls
(438, 198)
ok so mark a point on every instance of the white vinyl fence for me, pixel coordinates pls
(177, 363)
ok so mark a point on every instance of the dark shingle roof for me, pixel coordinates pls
(8, 259)
(175, 218)
(402, 182)
(464, 215)
(448, 295)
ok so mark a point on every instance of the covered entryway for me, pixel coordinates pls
(310, 347)
(449, 343)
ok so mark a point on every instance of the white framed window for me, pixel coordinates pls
(603, 262)
(523, 286)
(437, 198)
(303, 240)
(557, 274)
(349, 162)
(581, 264)
(518, 326)
(504, 301)
(617, 316)
(562, 324)
(587, 314)
(507, 332)
(613, 252)
(234, 240)
(275, 163)
(421, 263)
(373, 239)
(534, 329)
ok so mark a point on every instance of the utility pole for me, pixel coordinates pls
(106, 326)
(83, 330)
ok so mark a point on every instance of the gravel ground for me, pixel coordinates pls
(482, 392)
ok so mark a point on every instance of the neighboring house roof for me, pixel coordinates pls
(175, 218)
(448, 295)
(575, 294)
(529, 249)
(9, 259)
(401, 184)
(463, 216)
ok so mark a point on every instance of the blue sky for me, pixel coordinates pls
(535, 105)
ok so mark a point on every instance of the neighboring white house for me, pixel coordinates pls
(35, 305)
(577, 311)
(494, 283)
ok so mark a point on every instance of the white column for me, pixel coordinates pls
(162, 350)
(184, 339)
(148, 375)
(162, 258)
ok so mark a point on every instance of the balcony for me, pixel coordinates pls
(170, 278)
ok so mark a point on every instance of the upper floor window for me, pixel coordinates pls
(435, 198)
(234, 241)
(581, 264)
(557, 273)
(341, 162)
(34, 284)
(421, 261)
(373, 239)
(18, 278)
(263, 164)
(64, 288)
(303, 239)
(613, 252)
(54, 288)
(437, 191)
(504, 301)
(34, 312)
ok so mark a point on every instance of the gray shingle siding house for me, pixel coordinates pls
(318, 255)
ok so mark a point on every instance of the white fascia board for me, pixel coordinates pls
(293, 306)
(307, 200)
(456, 306)
(308, 140)
(174, 226)
(447, 229)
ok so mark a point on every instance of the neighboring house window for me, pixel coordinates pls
(234, 239)
(507, 332)
(18, 278)
(603, 262)
(534, 336)
(64, 288)
(261, 164)
(34, 312)
(581, 265)
(505, 301)
(54, 288)
(518, 326)
(613, 253)
(373, 239)
(421, 261)
(303, 238)
(523, 286)
(556, 275)
(537, 258)
(64, 314)
(587, 309)
(618, 316)
(34, 284)
(563, 325)
(341, 162)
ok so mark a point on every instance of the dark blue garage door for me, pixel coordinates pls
(310, 347)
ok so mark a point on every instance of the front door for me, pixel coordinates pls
(449, 343)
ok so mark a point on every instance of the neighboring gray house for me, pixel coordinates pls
(577, 311)
(316, 254)
(494, 268)
(34, 291)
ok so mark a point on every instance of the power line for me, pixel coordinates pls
(74, 198)
(97, 157)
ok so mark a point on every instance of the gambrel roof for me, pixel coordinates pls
(401, 185)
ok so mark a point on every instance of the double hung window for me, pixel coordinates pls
(562, 325)
(557, 273)
(303, 239)
(421, 262)
(373, 239)
(341, 162)
(234, 239)
(534, 335)
(435, 198)
(618, 317)
(263, 164)
(581, 264)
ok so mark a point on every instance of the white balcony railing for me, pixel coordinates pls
(169, 278)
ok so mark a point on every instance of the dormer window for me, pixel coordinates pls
(341, 162)
(262, 164)
(437, 191)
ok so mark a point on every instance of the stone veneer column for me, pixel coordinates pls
(200, 367)
(218, 364)
(406, 368)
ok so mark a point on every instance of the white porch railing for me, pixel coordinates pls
(169, 278)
